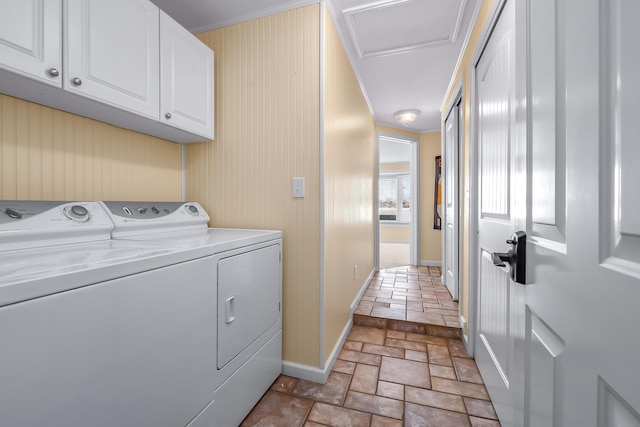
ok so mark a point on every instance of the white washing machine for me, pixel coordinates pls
(99, 332)
(247, 281)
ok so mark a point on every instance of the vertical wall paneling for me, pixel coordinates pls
(267, 132)
(349, 172)
(47, 154)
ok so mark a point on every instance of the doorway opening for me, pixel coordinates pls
(397, 201)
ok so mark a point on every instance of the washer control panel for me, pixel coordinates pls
(136, 218)
(35, 223)
(151, 210)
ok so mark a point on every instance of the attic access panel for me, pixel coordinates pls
(394, 26)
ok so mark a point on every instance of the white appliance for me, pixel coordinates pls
(247, 281)
(99, 332)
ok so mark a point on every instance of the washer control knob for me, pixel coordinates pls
(193, 210)
(142, 210)
(77, 213)
(155, 210)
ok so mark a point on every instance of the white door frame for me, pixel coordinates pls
(414, 233)
(474, 198)
(457, 193)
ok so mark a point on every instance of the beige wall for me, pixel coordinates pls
(464, 72)
(404, 166)
(47, 154)
(267, 110)
(395, 233)
(430, 249)
(349, 175)
(430, 239)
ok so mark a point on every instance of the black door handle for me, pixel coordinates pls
(516, 257)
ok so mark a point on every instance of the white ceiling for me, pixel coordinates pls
(403, 51)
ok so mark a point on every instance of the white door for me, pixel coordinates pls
(497, 190)
(186, 79)
(30, 39)
(580, 308)
(562, 349)
(451, 191)
(112, 53)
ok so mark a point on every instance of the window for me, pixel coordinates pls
(395, 198)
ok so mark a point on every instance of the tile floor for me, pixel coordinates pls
(392, 371)
(411, 293)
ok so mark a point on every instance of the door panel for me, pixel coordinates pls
(494, 315)
(548, 162)
(248, 299)
(495, 97)
(114, 49)
(30, 38)
(584, 282)
(451, 197)
(620, 145)
(543, 373)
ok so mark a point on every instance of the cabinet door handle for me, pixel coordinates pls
(168, 115)
(54, 72)
(76, 81)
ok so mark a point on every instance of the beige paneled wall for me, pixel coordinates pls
(349, 174)
(47, 154)
(430, 238)
(464, 72)
(267, 108)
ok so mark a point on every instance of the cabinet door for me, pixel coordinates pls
(186, 74)
(111, 53)
(30, 34)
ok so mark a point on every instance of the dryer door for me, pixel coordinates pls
(249, 287)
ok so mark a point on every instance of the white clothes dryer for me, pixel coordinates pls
(247, 282)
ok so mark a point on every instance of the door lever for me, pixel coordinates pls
(516, 257)
(499, 258)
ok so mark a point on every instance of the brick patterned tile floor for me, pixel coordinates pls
(403, 364)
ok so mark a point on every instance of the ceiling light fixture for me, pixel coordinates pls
(406, 116)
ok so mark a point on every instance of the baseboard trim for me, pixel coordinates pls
(305, 372)
(363, 289)
(318, 375)
(430, 263)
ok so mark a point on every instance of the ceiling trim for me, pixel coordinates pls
(462, 52)
(350, 14)
(258, 13)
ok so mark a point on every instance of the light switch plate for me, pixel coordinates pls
(298, 187)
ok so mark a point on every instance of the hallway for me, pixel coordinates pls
(403, 364)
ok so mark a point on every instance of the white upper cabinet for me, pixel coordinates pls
(30, 34)
(105, 60)
(186, 76)
(112, 53)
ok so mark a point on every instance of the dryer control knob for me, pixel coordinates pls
(193, 210)
(77, 213)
